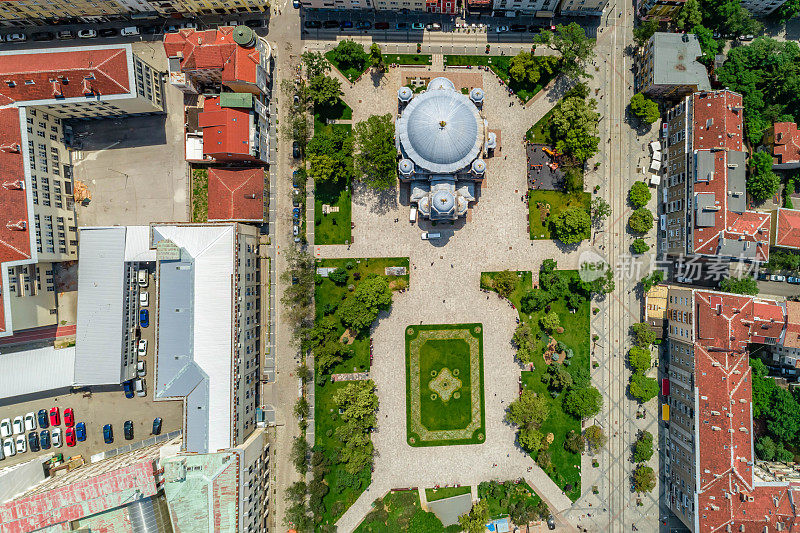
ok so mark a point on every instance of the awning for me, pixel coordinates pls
(655, 165)
(665, 413)
(665, 387)
(655, 146)
(655, 179)
(657, 156)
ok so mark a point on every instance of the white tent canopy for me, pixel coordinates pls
(655, 146)
(655, 165)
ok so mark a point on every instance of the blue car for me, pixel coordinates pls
(80, 431)
(108, 434)
(42, 416)
(127, 386)
(296, 212)
(33, 441)
(794, 280)
(144, 318)
(44, 439)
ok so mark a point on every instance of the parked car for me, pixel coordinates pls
(69, 417)
(519, 28)
(19, 425)
(65, 34)
(433, 26)
(144, 318)
(127, 430)
(108, 434)
(296, 230)
(157, 426)
(108, 32)
(127, 386)
(43, 36)
(381, 25)
(296, 212)
(312, 24)
(417, 26)
(56, 436)
(22, 444)
(16, 37)
(763, 276)
(346, 24)
(141, 278)
(330, 24)
(296, 150)
(140, 370)
(8, 448)
(501, 29)
(44, 439)
(189, 25)
(69, 436)
(363, 25)
(794, 280)
(295, 201)
(33, 441)
(401, 26)
(140, 386)
(80, 431)
(296, 4)
(142, 348)
(5, 428)
(55, 417)
(777, 277)
(144, 299)
(296, 178)
(745, 38)
(30, 422)
(173, 28)
(551, 522)
(87, 34)
(42, 419)
(130, 30)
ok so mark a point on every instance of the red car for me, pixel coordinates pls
(70, 434)
(55, 417)
(69, 417)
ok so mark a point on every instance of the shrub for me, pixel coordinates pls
(339, 276)
(639, 246)
(641, 220)
(639, 194)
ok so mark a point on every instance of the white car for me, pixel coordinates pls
(19, 426)
(5, 428)
(144, 299)
(87, 34)
(142, 351)
(130, 30)
(16, 37)
(777, 277)
(141, 278)
(501, 29)
(140, 370)
(8, 448)
(22, 444)
(55, 437)
(30, 422)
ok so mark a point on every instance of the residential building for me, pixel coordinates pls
(446, 7)
(208, 7)
(539, 8)
(363, 4)
(655, 304)
(235, 128)
(474, 7)
(582, 8)
(668, 66)
(35, 371)
(711, 479)
(206, 315)
(660, 10)
(785, 138)
(762, 8)
(40, 90)
(237, 195)
(703, 184)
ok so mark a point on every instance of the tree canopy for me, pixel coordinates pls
(376, 158)
(316, 64)
(360, 309)
(600, 210)
(324, 90)
(643, 32)
(575, 47)
(574, 127)
(525, 342)
(571, 225)
(376, 57)
(475, 521)
(762, 181)
(640, 359)
(745, 285)
(529, 412)
(641, 220)
(583, 402)
(639, 194)
(644, 479)
(689, 15)
(643, 388)
(349, 55)
(644, 108)
(595, 437)
(643, 447)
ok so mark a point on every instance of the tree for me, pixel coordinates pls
(530, 439)
(329, 355)
(349, 54)
(788, 10)
(575, 47)
(360, 309)
(574, 127)
(639, 194)
(643, 388)
(648, 282)
(643, 447)
(762, 182)
(595, 438)
(571, 225)
(316, 64)
(640, 359)
(301, 408)
(528, 410)
(323, 169)
(339, 276)
(534, 300)
(765, 448)
(644, 108)
(548, 266)
(638, 246)
(299, 454)
(557, 377)
(296, 492)
(644, 479)
(604, 284)
(376, 158)
(505, 282)
(425, 522)
(297, 518)
(643, 335)
(641, 220)
(600, 210)
(550, 322)
(746, 285)
(358, 402)
(525, 342)
(574, 442)
(643, 32)
(523, 512)
(573, 180)
(689, 15)
(783, 419)
(325, 90)
(524, 68)
(475, 521)
(376, 58)
(583, 403)
(708, 44)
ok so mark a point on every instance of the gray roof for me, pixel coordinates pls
(704, 166)
(736, 182)
(440, 130)
(675, 61)
(101, 279)
(32, 371)
(449, 509)
(705, 210)
(736, 248)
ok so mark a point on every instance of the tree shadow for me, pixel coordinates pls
(379, 202)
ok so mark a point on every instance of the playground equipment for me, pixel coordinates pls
(551, 153)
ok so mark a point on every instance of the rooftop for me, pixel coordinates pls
(226, 130)
(675, 61)
(787, 230)
(236, 194)
(37, 370)
(787, 143)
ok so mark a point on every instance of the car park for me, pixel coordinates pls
(19, 425)
(69, 436)
(140, 386)
(80, 431)
(55, 417)
(22, 444)
(363, 25)
(330, 24)
(144, 318)
(16, 37)
(30, 422)
(87, 34)
(777, 277)
(127, 430)
(381, 25)
(130, 30)
(128, 388)
(792, 279)
(64, 35)
(56, 436)
(142, 347)
(42, 419)
(8, 448)
(140, 370)
(108, 32)
(69, 417)
(417, 26)
(346, 24)
(43, 36)
(5, 428)
(44, 440)
(156, 426)
(312, 24)
(141, 278)
(108, 434)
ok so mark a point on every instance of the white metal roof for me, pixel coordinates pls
(32, 371)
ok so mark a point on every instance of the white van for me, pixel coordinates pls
(139, 386)
(412, 215)
(429, 236)
(142, 278)
(130, 30)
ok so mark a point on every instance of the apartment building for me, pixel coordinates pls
(660, 10)
(582, 8)
(539, 8)
(446, 7)
(40, 90)
(668, 66)
(235, 127)
(237, 194)
(785, 138)
(710, 477)
(762, 8)
(703, 183)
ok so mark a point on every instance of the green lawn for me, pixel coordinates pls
(500, 65)
(540, 132)
(445, 492)
(199, 195)
(444, 384)
(407, 59)
(351, 74)
(338, 111)
(397, 511)
(576, 336)
(557, 201)
(508, 493)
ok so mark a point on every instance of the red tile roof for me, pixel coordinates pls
(64, 74)
(236, 194)
(787, 233)
(226, 131)
(213, 50)
(787, 143)
(717, 120)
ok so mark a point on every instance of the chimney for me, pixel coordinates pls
(87, 88)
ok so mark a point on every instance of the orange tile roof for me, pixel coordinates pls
(213, 50)
(787, 143)
(236, 194)
(717, 120)
(226, 131)
(787, 233)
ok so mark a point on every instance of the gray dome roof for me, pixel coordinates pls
(443, 202)
(406, 166)
(441, 131)
(478, 166)
(405, 94)
(476, 95)
(441, 83)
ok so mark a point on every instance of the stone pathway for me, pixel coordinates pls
(437, 62)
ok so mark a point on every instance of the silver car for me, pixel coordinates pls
(8, 448)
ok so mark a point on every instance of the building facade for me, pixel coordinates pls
(445, 7)
(582, 8)
(660, 10)
(539, 8)
(762, 8)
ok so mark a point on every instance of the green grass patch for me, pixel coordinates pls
(352, 74)
(540, 132)
(339, 111)
(199, 195)
(565, 465)
(333, 228)
(445, 492)
(558, 201)
(502, 496)
(407, 59)
(500, 65)
(397, 511)
(444, 384)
